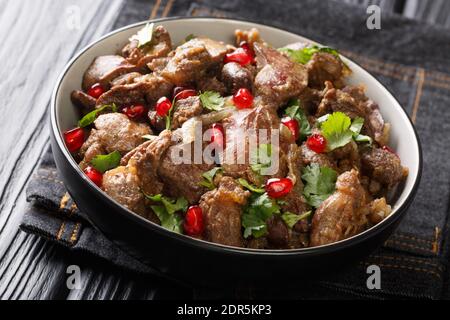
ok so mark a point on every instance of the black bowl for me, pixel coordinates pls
(188, 259)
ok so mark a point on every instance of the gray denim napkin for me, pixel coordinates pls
(412, 59)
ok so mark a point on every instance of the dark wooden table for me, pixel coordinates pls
(38, 38)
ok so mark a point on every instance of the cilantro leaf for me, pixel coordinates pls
(248, 186)
(170, 205)
(261, 158)
(295, 111)
(212, 100)
(89, 118)
(167, 212)
(291, 219)
(144, 36)
(208, 178)
(320, 183)
(170, 222)
(107, 162)
(304, 55)
(356, 128)
(336, 130)
(259, 209)
(189, 37)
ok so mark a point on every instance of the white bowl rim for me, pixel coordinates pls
(336, 246)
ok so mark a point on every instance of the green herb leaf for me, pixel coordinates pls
(356, 128)
(248, 186)
(291, 219)
(259, 209)
(320, 183)
(107, 162)
(208, 178)
(304, 55)
(212, 100)
(189, 37)
(89, 118)
(362, 138)
(170, 205)
(144, 36)
(336, 129)
(263, 157)
(172, 222)
(295, 111)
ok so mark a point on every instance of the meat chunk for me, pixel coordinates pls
(222, 210)
(83, 101)
(158, 65)
(324, 67)
(335, 100)
(127, 78)
(234, 76)
(123, 185)
(343, 214)
(192, 60)
(211, 84)
(184, 110)
(127, 183)
(147, 90)
(322, 159)
(104, 69)
(160, 46)
(379, 210)
(113, 132)
(279, 79)
(383, 166)
(236, 157)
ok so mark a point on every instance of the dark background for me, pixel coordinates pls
(36, 43)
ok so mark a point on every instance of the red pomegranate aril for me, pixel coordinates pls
(74, 139)
(193, 221)
(96, 91)
(246, 46)
(243, 98)
(163, 106)
(317, 143)
(278, 188)
(217, 135)
(239, 56)
(134, 111)
(95, 175)
(293, 126)
(177, 90)
(185, 94)
(390, 150)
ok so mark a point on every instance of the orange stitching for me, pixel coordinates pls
(380, 62)
(412, 238)
(438, 75)
(74, 234)
(61, 230)
(387, 73)
(437, 84)
(396, 266)
(437, 234)
(412, 260)
(63, 202)
(419, 91)
(394, 242)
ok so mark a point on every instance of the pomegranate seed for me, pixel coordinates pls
(217, 135)
(163, 106)
(96, 91)
(243, 98)
(240, 56)
(293, 126)
(390, 150)
(177, 90)
(134, 111)
(278, 188)
(246, 47)
(317, 143)
(74, 139)
(185, 94)
(95, 175)
(193, 221)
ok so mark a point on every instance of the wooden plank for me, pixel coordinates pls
(39, 42)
